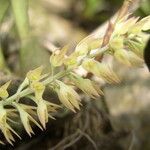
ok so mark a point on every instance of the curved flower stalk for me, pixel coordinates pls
(124, 41)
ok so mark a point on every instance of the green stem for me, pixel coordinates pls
(2, 60)
(4, 4)
(28, 90)
(47, 81)
(20, 10)
(3, 65)
(100, 51)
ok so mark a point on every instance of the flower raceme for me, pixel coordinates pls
(125, 43)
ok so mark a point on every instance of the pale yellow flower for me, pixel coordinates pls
(122, 56)
(116, 43)
(137, 47)
(71, 61)
(124, 25)
(58, 56)
(82, 49)
(42, 112)
(3, 90)
(135, 60)
(44, 108)
(7, 131)
(38, 89)
(143, 24)
(35, 75)
(26, 118)
(87, 86)
(100, 70)
(4, 126)
(68, 96)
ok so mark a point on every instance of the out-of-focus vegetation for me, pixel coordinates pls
(31, 29)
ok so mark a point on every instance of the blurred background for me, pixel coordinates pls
(26, 42)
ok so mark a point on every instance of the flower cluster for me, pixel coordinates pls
(125, 43)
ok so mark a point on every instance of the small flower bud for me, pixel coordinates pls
(71, 61)
(35, 75)
(82, 49)
(3, 90)
(96, 43)
(58, 56)
(42, 112)
(116, 43)
(38, 88)
(87, 44)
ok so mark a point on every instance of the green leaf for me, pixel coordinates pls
(4, 4)
(2, 60)
(20, 10)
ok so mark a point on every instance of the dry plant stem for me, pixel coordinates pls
(101, 29)
(100, 51)
(111, 25)
(125, 8)
(73, 138)
(89, 138)
(123, 11)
